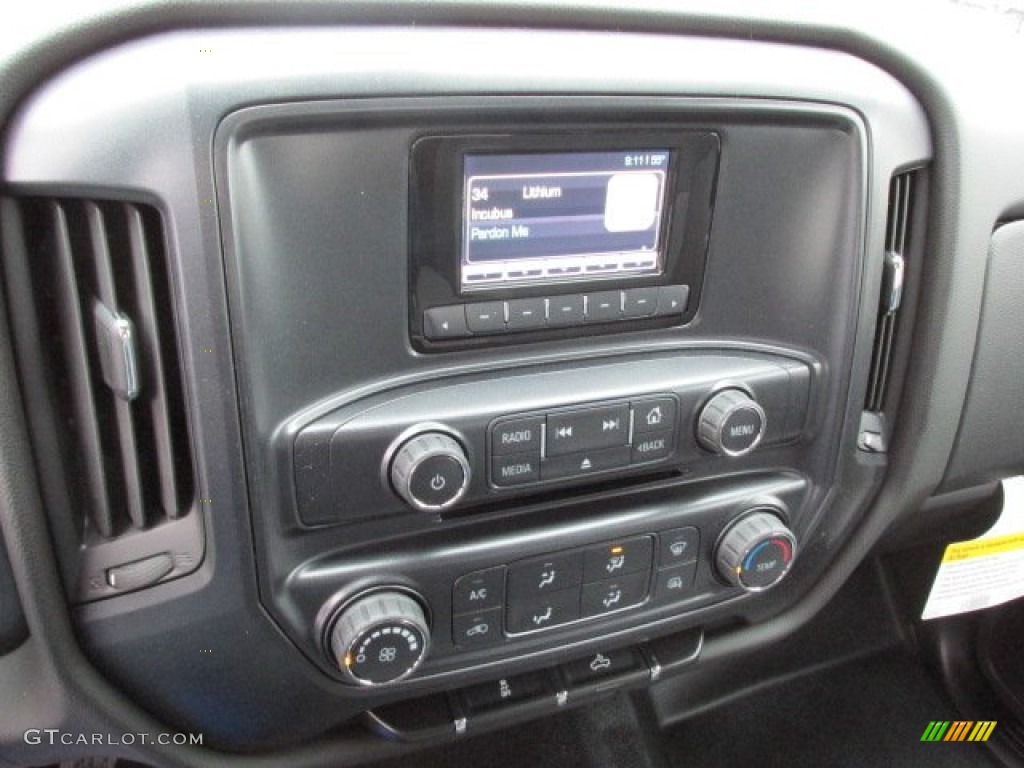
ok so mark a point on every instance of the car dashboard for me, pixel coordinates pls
(377, 377)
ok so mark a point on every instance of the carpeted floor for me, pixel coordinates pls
(871, 712)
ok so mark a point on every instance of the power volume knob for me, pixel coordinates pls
(731, 423)
(430, 471)
(380, 638)
(756, 551)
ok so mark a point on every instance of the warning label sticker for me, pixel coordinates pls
(986, 571)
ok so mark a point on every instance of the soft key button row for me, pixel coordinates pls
(578, 442)
(532, 314)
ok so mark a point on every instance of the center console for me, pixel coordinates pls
(584, 377)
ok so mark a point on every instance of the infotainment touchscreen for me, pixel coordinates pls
(542, 218)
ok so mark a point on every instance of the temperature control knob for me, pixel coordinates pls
(731, 423)
(756, 551)
(430, 471)
(380, 638)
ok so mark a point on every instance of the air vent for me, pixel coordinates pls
(91, 306)
(902, 190)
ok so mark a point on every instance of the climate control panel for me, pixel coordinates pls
(382, 634)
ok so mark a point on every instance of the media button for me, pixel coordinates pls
(515, 469)
(565, 310)
(488, 317)
(516, 436)
(616, 558)
(525, 314)
(604, 306)
(587, 430)
(639, 302)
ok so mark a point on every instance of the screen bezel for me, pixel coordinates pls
(436, 210)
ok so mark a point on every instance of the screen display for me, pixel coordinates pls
(554, 217)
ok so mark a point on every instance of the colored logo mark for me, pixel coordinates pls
(958, 730)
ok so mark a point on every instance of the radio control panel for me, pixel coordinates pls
(465, 443)
(545, 447)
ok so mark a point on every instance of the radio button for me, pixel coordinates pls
(651, 446)
(654, 415)
(534, 578)
(582, 464)
(544, 612)
(565, 310)
(672, 299)
(639, 302)
(516, 436)
(587, 430)
(488, 317)
(526, 314)
(607, 561)
(517, 469)
(445, 322)
(614, 594)
(479, 590)
(604, 306)
(477, 630)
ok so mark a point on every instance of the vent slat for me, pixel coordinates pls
(897, 241)
(80, 376)
(906, 193)
(170, 496)
(131, 473)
